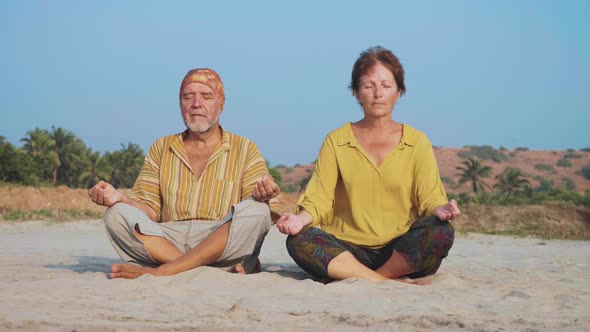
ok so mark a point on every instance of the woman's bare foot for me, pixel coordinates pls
(128, 271)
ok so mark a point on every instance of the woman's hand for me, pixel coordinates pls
(448, 211)
(292, 224)
(265, 189)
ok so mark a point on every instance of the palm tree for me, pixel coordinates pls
(41, 147)
(126, 164)
(474, 171)
(511, 181)
(97, 170)
(38, 142)
(70, 150)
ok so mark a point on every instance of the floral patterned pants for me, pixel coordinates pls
(424, 246)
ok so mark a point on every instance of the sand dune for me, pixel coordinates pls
(53, 278)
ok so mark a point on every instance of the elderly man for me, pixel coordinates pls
(203, 196)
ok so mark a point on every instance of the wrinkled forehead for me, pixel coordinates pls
(377, 72)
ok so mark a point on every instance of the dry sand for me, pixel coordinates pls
(53, 279)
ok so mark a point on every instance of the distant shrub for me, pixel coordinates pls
(503, 149)
(568, 183)
(276, 175)
(464, 154)
(571, 150)
(486, 152)
(585, 172)
(436, 147)
(572, 156)
(289, 188)
(585, 149)
(521, 148)
(545, 167)
(544, 184)
(512, 154)
(448, 181)
(564, 162)
(462, 198)
(526, 197)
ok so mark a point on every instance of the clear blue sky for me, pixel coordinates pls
(502, 73)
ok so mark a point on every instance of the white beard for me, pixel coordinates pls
(199, 128)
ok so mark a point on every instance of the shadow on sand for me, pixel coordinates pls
(286, 270)
(88, 264)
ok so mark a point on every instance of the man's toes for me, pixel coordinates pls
(238, 268)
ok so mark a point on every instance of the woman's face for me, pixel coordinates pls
(377, 91)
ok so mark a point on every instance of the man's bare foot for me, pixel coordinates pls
(238, 268)
(128, 271)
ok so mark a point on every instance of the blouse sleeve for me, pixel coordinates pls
(430, 192)
(318, 198)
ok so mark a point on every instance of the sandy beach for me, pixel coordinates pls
(54, 279)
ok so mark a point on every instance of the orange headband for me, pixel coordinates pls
(205, 76)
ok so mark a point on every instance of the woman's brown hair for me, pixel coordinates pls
(368, 59)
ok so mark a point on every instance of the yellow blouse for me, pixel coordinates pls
(167, 184)
(368, 205)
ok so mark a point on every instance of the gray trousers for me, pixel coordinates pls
(250, 222)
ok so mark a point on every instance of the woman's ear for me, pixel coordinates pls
(357, 98)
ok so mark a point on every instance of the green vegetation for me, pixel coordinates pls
(545, 167)
(278, 178)
(57, 157)
(484, 152)
(568, 183)
(512, 187)
(527, 196)
(544, 184)
(448, 181)
(521, 149)
(564, 162)
(276, 175)
(572, 156)
(50, 214)
(473, 171)
(585, 149)
(511, 182)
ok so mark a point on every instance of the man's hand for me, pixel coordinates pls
(448, 211)
(103, 193)
(265, 189)
(292, 224)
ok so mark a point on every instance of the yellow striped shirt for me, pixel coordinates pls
(167, 184)
(369, 205)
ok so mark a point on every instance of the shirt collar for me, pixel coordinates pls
(224, 137)
(408, 137)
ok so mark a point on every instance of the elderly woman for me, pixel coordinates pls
(375, 192)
